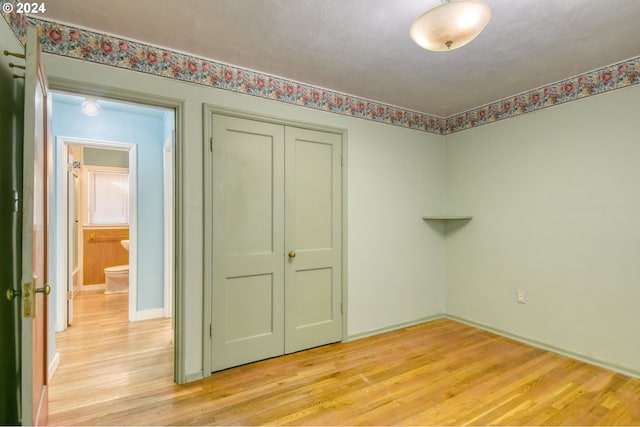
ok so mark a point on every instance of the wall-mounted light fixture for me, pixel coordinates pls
(91, 107)
(450, 25)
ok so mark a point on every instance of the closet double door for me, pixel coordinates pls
(277, 240)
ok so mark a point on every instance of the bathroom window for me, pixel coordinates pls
(108, 197)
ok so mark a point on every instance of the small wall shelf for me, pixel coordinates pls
(447, 218)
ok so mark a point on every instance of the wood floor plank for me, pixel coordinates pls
(113, 372)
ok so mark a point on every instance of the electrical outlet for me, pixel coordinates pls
(521, 296)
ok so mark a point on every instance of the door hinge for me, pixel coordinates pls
(69, 167)
(69, 295)
(16, 201)
(210, 330)
(341, 308)
(211, 144)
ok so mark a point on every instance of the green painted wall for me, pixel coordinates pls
(395, 176)
(102, 157)
(554, 195)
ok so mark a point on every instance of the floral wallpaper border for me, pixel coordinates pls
(67, 41)
(606, 79)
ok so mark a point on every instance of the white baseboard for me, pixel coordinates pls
(544, 346)
(156, 313)
(393, 327)
(53, 366)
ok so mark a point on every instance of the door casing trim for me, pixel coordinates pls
(179, 288)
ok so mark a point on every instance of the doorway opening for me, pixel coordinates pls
(96, 199)
(114, 202)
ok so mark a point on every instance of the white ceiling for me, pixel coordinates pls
(362, 47)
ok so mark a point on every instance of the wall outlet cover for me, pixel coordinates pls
(521, 296)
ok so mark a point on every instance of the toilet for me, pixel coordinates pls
(116, 278)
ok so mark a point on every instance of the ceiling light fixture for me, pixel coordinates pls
(90, 107)
(450, 25)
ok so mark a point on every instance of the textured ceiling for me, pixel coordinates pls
(362, 47)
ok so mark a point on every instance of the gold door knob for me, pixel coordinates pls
(11, 294)
(292, 254)
(46, 290)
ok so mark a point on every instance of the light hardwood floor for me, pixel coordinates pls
(441, 373)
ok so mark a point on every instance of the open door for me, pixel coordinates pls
(73, 185)
(34, 288)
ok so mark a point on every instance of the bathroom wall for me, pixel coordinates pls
(99, 244)
(101, 248)
(100, 157)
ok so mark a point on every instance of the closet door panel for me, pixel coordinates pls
(313, 229)
(248, 246)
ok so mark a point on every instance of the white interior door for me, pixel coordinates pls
(248, 241)
(73, 188)
(313, 276)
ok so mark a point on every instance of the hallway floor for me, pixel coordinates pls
(104, 359)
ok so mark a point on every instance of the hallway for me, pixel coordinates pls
(104, 359)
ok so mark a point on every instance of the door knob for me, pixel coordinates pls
(11, 294)
(292, 254)
(45, 290)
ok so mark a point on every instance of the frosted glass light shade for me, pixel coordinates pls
(90, 107)
(450, 25)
